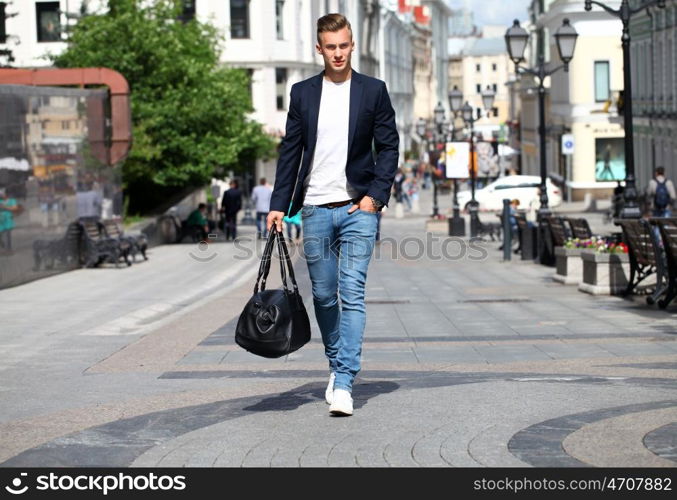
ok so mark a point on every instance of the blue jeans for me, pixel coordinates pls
(662, 212)
(261, 229)
(338, 247)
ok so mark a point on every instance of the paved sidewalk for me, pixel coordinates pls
(468, 361)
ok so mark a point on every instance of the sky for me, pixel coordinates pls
(500, 12)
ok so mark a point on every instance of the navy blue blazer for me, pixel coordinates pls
(371, 122)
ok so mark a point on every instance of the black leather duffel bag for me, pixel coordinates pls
(274, 322)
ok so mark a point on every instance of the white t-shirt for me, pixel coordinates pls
(326, 182)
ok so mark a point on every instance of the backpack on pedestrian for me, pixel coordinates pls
(662, 196)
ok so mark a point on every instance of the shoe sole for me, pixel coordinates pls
(340, 413)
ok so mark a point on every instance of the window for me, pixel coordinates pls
(279, 19)
(65, 125)
(601, 81)
(494, 67)
(188, 12)
(478, 68)
(3, 18)
(48, 21)
(281, 87)
(239, 18)
(478, 87)
(494, 111)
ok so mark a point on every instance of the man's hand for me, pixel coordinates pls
(274, 217)
(364, 204)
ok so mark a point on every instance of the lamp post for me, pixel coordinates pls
(421, 126)
(467, 113)
(516, 39)
(439, 137)
(457, 223)
(624, 13)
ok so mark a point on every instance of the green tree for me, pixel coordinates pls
(189, 113)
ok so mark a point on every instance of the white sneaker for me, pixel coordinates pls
(329, 393)
(342, 404)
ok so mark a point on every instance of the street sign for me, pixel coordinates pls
(457, 160)
(567, 144)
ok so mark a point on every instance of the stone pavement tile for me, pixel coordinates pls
(387, 356)
(472, 329)
(635, 348)
(377, 333)
(512, 353)
(670, 346)
(571, 351)
(203, 357)
(306, 355)
(454, 354)
(542, 329)
(242, 356)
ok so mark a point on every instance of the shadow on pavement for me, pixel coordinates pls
(310, 393)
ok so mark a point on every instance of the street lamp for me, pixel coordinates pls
(456, 223)
(468, 115)
(516, 39)
(624, 13)
(439, 138)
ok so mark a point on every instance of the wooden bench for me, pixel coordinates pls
(668, 231)
(579, 228)
(491, 229)
(645, 257)
(137, 244)
(98, 247)
(64, 250)
(527, 237)
(558, 230)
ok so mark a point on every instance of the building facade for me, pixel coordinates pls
(579, 102)
(653, 49)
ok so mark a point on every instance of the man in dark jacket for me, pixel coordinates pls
(230, 206)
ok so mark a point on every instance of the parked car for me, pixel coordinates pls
(522, 187)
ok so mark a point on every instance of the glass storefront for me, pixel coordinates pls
(52, 172)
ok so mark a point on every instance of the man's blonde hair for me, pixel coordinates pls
(333, 23)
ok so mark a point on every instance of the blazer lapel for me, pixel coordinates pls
(314, 97)
(355, 101)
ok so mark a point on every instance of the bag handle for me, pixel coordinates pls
(284, 259)
(285, 263)
(264, 267)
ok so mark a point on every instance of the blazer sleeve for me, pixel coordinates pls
(290, 153)
(386, 145)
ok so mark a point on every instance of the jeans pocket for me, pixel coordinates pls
(307, 211)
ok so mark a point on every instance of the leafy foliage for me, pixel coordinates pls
(189, 112)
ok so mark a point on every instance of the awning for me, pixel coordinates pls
(10, 163)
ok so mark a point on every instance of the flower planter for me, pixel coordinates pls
(604, 273)
(569, 266)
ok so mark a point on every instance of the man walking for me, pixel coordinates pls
(231, 203)
(327, 168)
(661, 194)
(261, 197)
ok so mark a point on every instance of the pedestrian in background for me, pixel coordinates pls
(339, 172)
(661, 194)
(197, 224)
(261, 198)
(8, 209)
(231, 204)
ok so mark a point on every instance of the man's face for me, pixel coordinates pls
(336, 49)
